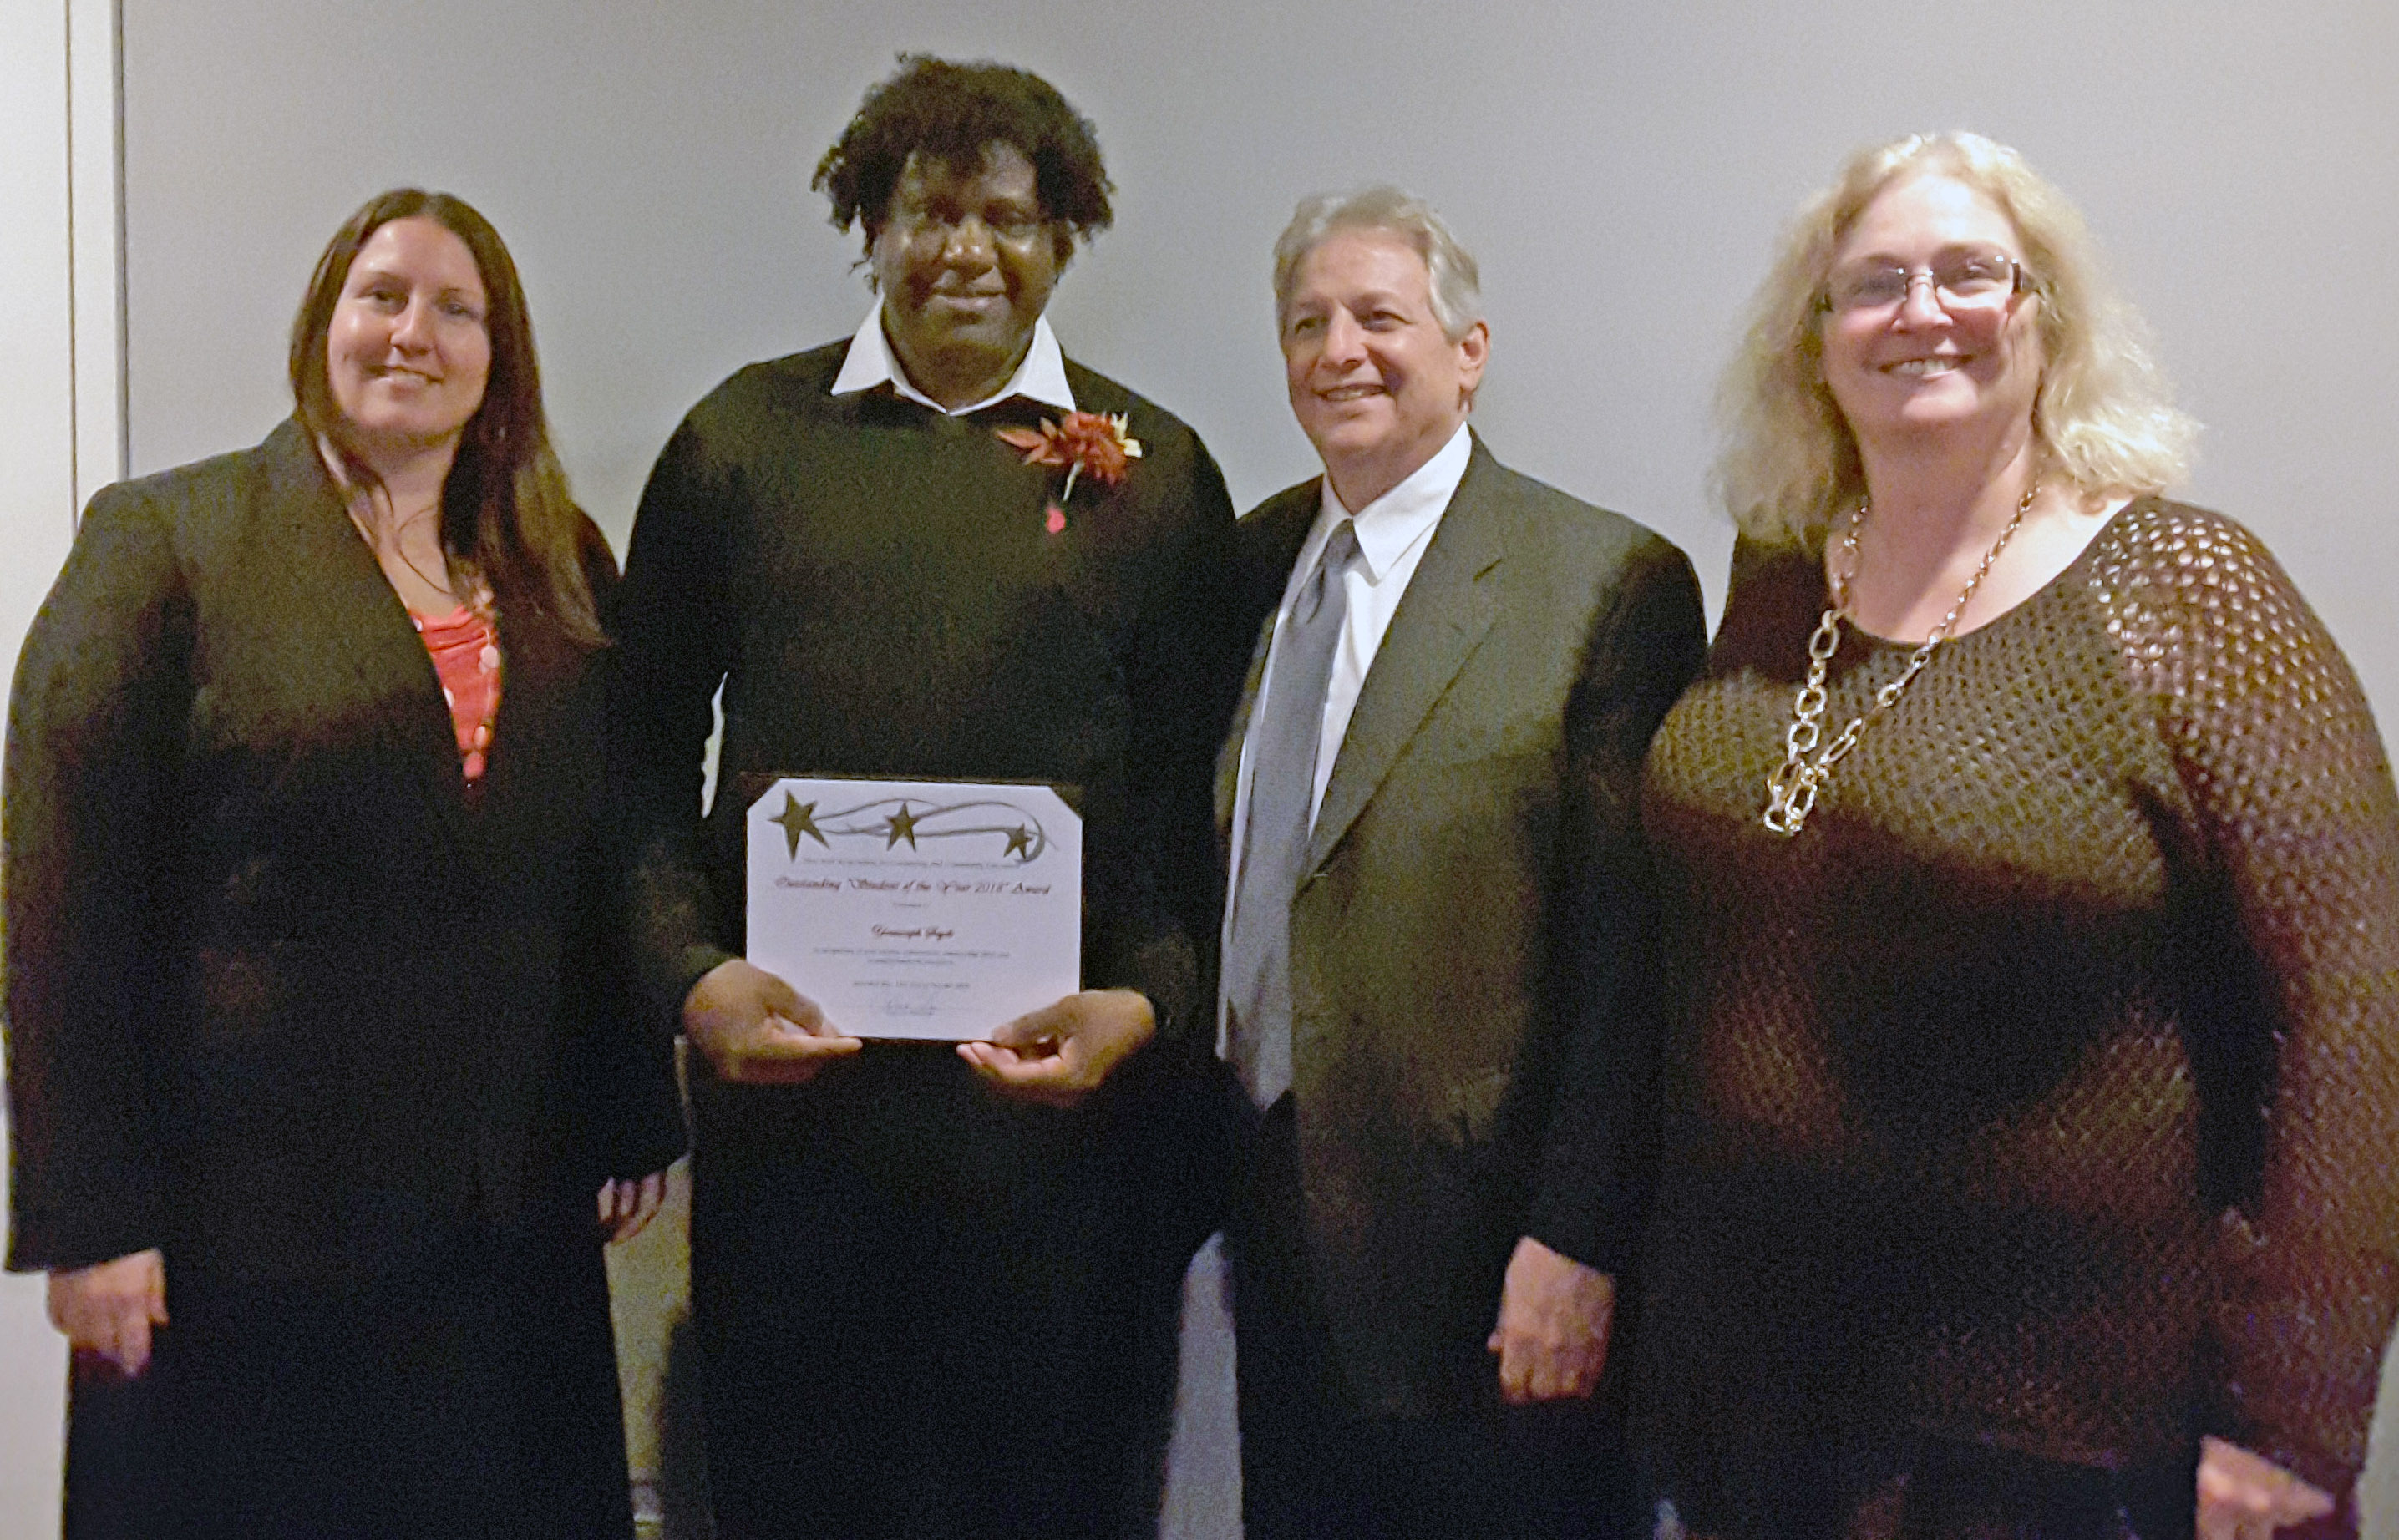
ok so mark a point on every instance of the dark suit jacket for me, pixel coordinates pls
(1472, 1059)
(281, 996)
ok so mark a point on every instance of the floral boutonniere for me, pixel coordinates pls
(1081, 442)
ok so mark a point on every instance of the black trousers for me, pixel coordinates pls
(1312, 1467)
(923, 1311)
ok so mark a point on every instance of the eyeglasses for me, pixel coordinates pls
(1980, 280)
(937, 226)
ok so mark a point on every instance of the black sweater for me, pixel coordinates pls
(877, 588)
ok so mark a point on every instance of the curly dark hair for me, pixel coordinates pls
(949, 112)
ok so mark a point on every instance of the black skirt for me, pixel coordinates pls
(467, 1387)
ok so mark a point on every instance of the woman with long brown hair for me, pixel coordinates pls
(316, 1061)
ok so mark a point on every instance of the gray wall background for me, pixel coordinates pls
(1621, 168)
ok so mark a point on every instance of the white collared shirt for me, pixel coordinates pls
(1041, 377)
(1393, 532)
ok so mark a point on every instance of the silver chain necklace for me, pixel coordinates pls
(1791, 790)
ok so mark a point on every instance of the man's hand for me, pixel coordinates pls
(1554, 1317)
(2245, 1496)
(110, 1307)
(1061, 1053)
(627, 1204)
(757, 1030)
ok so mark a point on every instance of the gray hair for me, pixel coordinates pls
(1456, 284)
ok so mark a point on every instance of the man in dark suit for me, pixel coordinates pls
(1435, 950)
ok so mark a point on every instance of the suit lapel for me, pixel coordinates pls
(372, 621)
(1448, 608)
(1268, 542)
(1229, 759)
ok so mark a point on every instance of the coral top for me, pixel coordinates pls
(467, 655)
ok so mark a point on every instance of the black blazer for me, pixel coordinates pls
(280, 996)
(1471, 1059)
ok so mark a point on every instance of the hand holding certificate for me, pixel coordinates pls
(1061, 1053)
(917, 908)
(754, 1029)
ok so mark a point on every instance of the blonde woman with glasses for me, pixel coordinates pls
(2032, 867)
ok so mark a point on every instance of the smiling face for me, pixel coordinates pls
(1921, 367)
(406, 354)
(964, 259)
(1376, 385)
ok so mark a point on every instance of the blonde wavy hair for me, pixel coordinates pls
(2103, 420)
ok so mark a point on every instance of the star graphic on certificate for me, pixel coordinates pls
(902, 826)
(799, 818)
(1019, 841)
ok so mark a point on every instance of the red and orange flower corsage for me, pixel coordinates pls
(1084, 443)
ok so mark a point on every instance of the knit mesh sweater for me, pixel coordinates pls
(2042, 1094)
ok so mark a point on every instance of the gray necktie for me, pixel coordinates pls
(1274, 847)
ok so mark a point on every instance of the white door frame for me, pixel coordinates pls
(96, 239)
(63, 437)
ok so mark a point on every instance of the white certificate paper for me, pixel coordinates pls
(917, 908)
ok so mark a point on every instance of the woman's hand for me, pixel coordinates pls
(1061, 1053)
(626, 1204)
(109, 1307)
(2245, 1496)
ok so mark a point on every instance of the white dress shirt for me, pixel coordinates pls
(1041, 377)
(1393, 532)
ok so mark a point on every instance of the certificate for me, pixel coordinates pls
(916, 908)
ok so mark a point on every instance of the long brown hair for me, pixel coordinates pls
(505, 510)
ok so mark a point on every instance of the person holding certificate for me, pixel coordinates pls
(315, 1064)
(929, 1289)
